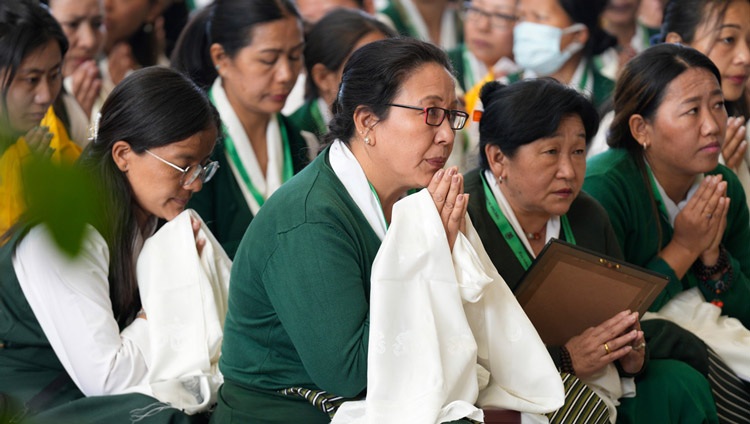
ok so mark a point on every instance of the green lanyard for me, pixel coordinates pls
(317, 116)
(585, 80)
(382, 212)
(509, 234)
(287, 171)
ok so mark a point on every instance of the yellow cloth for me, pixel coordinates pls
(472, 96)
(12, 198)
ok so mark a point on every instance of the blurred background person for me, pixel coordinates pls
(328, 45)
(620, 18)
(559, 39)
(82, 22)
(247, 54)
(32, 47)
(436, 21)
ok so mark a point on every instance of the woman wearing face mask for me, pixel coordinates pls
(248, 55)
(32, 46)
(83, 24)
(328, 45)
(720, 30)
(559, 38)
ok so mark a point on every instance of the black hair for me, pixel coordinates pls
(640, 90)
(642, 84)
(373, 76)
(589, 13)
(331, 40)
(25, 26)
(528, 110)
(228, 23)
(683, 17)
(141, 111)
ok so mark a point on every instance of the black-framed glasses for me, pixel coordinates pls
(497, 20)
(434, 116)
(193, 172)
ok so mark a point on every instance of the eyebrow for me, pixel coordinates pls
(300, 45)
(38, 70)
(698, 98)
(733, 26)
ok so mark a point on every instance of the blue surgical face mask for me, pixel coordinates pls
(536, 47)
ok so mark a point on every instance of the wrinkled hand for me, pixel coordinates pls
(120, 61)
(696, 227)
(588, 352)
(38, 139)
(86, 85)
(447, 190)
(733, 150)
(633, 361)
(199, 241)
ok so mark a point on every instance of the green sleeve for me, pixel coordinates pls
(317, 286)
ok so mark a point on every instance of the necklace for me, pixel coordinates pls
(537, 235)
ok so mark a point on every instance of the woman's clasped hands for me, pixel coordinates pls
(447, 190)
(618, 338)
(700, 225)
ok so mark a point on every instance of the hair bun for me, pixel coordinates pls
(487, 93)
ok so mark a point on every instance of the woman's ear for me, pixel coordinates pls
(364, 121)
(218, 57)
(121, 154)
(496, 160)
(640, 129)
(673, 38)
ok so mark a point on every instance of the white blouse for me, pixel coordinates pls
(70, 299)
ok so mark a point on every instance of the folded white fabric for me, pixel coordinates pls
(435, 316)
(185, 299)
(726, 336)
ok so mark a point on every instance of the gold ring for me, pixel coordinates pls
(606, 348)
(640, 346)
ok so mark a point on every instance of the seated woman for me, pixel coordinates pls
(247, 54)
(559, 39)
(75, 327)
(533, 137)
(298, 327)
(436, 21)
(721, 31)
(669, 200)
(82, 96)
(33, 45)
(328, 45)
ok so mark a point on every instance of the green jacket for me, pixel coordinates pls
(221, 203)
(396, 13)
(587, 218)
(299, 299)
(305, 119)
(614, 179)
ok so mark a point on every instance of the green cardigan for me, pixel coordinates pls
(396, 13)
(29, 366)
(304, 119)
(299, 300)
(221, 203)
(614, 179)
(587, 218)
(456, 57)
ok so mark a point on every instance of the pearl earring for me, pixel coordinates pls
(367, 140)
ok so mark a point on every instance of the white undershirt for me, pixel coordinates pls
(70, 299)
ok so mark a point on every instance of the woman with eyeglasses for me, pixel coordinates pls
(488, 39)
(247, 54)
(74, 327)
(299, 314)
(559, 39)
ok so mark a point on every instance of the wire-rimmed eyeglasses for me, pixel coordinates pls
(192, 172)
(497, 20)
(434, 116)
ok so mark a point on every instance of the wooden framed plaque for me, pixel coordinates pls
(568, 289)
